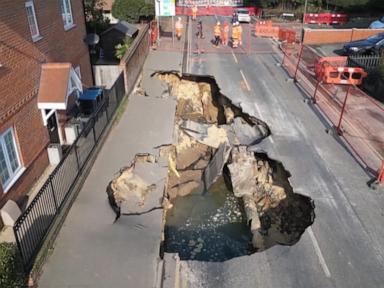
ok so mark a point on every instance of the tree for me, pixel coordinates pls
(96, 22)
(132, 10)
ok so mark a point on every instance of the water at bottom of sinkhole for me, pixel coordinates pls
(209, 227)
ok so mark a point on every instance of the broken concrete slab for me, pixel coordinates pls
(246, 134)
(139, 187)
(192, 155)
(207, 134)
(215, 167)
(153, 86)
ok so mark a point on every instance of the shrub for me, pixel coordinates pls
(11, 270)
(121, 49)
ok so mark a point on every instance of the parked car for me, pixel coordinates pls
(243, 15)
(378, 24)
(373, 45)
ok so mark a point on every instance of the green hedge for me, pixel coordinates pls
(11, 270)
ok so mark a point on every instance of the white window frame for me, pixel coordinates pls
(37, 36)
(78, 71)
(13, 175)
(67, 14)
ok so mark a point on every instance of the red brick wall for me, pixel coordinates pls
(21, 60)
(334, 36)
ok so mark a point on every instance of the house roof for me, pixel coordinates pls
(124, 27)
(108, 5)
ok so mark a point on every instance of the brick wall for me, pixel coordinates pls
(21, 60)
(334, 36)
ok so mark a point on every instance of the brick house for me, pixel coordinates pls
(36, 34)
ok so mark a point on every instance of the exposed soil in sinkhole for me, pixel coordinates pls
(227, 201)
(222, 200)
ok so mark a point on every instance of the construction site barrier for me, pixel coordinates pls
(266, 29)
(339, 19)
(326, 18)
(357, 120)
(287, 35)
(213, 10)
(333, 70)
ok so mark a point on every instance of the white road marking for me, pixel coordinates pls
(323, 264)
(271, 139)
(234, 57)
(245, 80)
(187, 64)
(258, 110)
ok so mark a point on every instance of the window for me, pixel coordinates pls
(10, 167)
(66, 12)
(31, 16)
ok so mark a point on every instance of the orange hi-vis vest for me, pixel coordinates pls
(235, 32)
(217, 30)
(179, 25)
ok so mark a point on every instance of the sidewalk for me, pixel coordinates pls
(90, 250)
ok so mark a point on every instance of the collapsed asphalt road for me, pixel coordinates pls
(214, 143)
(344, 247)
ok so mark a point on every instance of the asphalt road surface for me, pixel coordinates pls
(344, 247)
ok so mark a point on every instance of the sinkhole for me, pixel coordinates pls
(227, 201)
(221, 198)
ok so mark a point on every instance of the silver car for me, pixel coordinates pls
(243, 15)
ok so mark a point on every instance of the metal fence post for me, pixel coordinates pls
(15, 229)
(93, 128)
(338, 128)
(77, 156)
(298, 63)
(314, 100)
(53, 193)
(250, 39)
(106, 110)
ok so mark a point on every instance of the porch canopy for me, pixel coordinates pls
(57, 82)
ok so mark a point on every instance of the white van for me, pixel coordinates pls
(243, 15)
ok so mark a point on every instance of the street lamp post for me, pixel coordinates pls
(302, 25)
(305, 10)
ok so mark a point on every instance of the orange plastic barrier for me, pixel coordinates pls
(287, 35)
(265, 29)
(333, 70)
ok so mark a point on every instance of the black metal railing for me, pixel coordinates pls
(34, 224)
(367, 62)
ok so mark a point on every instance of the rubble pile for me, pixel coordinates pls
(214, 141)
(205, 120)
